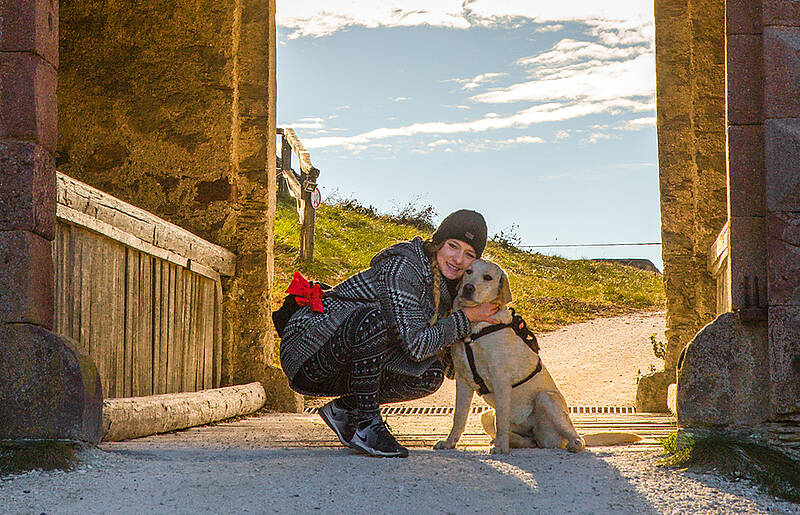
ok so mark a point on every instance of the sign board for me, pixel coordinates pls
(316, 198)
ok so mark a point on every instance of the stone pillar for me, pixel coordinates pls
(691, 155)
(781, 65)
(48, 389)
(745, 118)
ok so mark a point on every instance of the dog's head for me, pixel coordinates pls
(483, 282)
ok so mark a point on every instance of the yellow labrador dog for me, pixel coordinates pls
(529, 409)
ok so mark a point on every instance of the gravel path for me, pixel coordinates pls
(286, 463)
(249, 479)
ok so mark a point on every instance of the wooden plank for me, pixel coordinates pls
(79, 203)
(75, 273)
(131, 316)
(144, 354)
(217, 334)
(199, 335)
(180, 327)
(190, 358)
(208, 333)
(117, 283)
(176, 338)
(163, 369)
(156, 327)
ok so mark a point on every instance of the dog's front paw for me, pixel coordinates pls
(576, 444)
(499, 449)
(444, 444)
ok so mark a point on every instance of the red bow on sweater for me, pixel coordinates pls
(307, 294)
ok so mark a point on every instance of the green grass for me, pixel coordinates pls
(734, 457)
(549, 292)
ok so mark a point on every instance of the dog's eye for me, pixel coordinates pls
(487, 277)
(469, 272)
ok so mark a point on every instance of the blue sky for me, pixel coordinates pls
(541, 117)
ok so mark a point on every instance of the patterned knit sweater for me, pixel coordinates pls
(400, 282)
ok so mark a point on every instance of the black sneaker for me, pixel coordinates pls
(374, 438)
(342, 421)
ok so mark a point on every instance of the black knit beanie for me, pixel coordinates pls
(464, 225)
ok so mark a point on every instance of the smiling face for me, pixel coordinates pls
(483, 282)
(454, 257)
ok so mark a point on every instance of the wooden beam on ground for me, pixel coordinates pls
(142, 416)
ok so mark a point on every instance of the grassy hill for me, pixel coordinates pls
(549, 292)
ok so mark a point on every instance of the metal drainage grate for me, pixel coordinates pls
(476, 410)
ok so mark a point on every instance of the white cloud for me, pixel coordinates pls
(324, 17)
(593, 81)
(476, 81)
(400, 99)
(615, 21)
(550, 112)
(521, 139)
(570, 51)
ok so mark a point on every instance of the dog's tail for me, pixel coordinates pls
(610, 438)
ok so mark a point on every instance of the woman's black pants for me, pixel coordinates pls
(351, 365)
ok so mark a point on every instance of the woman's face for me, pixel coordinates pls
(454, 258)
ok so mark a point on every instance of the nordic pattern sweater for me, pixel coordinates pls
(400, 282)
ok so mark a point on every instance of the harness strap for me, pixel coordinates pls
(482, 388)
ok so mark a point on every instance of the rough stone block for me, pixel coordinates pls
(27, 188)
(651, 392)
(29, 110)
(30, 26)
(746, 170)
(784, 351)
(723, 378)
(26, 278)
(49, 389)
(781, 164)
(280, 396)
(781, 12)
(748, 258)
(782, 72)
(742, 17)
(745, 79)
(783, 251)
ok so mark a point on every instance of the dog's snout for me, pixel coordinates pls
(468, 290)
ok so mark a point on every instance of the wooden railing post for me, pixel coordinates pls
(286, 165)
(300, 188)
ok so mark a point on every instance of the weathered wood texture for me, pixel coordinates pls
(141, 416)
(300, 186)
(105, 214)
(148, 316)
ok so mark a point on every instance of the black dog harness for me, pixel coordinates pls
(520, 327)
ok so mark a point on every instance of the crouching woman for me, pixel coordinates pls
(381, 332)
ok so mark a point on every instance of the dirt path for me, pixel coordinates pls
(594, 363)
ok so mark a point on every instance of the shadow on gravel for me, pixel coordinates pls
(326, 479)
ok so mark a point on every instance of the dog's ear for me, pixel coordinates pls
(504, 289)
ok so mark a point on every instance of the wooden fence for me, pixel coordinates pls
(140, 295)
(301, 186)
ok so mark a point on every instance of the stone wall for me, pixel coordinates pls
(170, 105)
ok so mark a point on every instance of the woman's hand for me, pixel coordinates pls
(482, 312)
